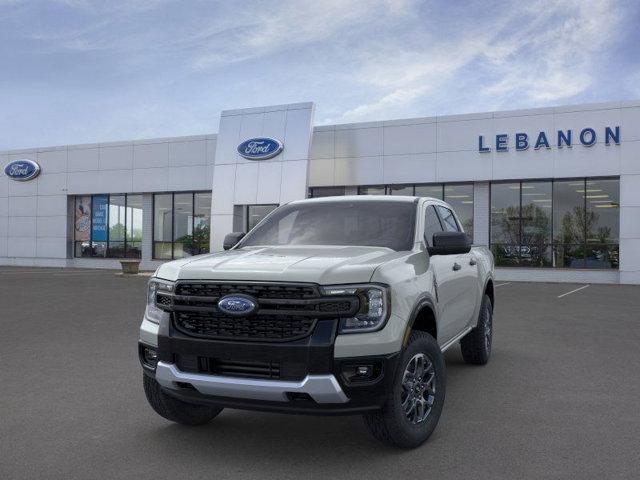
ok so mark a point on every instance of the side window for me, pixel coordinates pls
(449, 223)
(431, 224)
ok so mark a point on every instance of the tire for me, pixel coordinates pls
(391, 425)
(174, 409)
(476, 345)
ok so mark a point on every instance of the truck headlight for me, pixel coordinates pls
(374, 307)
(152, 312)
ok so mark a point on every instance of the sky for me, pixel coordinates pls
(80, 71)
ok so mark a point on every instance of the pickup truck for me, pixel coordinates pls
(338, 305)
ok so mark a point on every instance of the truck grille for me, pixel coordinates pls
(259, 291)
(285, 312)
(262, 327)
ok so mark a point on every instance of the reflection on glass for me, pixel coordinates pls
(162, 226)
(255, 213)
(317, 192)
(565, 224)
(433, 191)
(201, 223)
(182, 224)
(379, 190)
(460, 197)
(505, 223)
(134, 226)
(535, 216)
(82, 226)
(401, 190)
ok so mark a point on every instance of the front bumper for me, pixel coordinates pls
(309, 379)
(320, 388)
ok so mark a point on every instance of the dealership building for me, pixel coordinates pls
(553, 192)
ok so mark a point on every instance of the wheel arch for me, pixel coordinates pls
(423, 318)
(489, 291)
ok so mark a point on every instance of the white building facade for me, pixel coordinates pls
(554, 192)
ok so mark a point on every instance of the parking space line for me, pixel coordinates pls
(573, 291)
(502, 284)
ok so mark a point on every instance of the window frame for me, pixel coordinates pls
(125, 240)
(173, 210)
(553, 245)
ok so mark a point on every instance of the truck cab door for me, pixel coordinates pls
(457, 278)
(466, 276)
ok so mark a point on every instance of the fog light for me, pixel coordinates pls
(354, 373)
(150, 356)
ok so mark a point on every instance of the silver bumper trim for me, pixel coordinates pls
(322, 388)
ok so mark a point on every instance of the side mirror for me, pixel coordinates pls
(231, 239)
(449, 243)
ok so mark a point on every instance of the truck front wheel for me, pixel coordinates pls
(476, 345)
(174, 409)
(413, 407)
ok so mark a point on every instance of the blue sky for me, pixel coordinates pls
(77, 71)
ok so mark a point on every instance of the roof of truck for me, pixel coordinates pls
(366, 198)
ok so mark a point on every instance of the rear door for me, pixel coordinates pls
(465, 272)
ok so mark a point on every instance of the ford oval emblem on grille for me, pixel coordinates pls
(237, 305)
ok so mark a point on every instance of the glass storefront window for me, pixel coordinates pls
(460, 197)
(564, 223)
(535, 217)
(181, 224)
(400, 190)
(201, 223)
(134, 226)
(162, 226)
(117, 219)
(433, 191)
(569, 223)
(108, 226)
(377, 190)
(317, 192)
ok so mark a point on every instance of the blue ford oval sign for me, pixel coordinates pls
(22, 170)
(236, 305)
(260, 148)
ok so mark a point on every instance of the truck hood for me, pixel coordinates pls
(324, 265)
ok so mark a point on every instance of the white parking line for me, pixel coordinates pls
(573, 291)
(502, 284)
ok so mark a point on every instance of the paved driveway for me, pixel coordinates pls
(559, 399)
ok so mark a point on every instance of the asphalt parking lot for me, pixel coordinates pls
(559, 399)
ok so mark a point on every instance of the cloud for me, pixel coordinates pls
(288, 24)
(541, 53)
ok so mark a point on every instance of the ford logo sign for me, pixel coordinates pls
(22, 170)
(237, 305)
(260, 148)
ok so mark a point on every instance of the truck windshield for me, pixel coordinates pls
(357, 223)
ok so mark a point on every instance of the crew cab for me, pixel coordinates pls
(337, 305)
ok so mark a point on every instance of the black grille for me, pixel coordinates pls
(256, 328)
(284, 311)
(239, 369)
(259, 291)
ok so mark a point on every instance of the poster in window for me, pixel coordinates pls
(83, 219)
(99, 214)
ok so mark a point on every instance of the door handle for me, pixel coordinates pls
(473, 262)
(456, 267)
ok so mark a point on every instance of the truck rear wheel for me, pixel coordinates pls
(174, 409)
(415, 403)
(476, 345)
